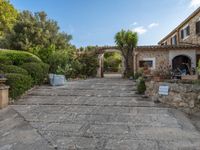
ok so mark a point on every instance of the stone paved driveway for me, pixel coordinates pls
(102, 114)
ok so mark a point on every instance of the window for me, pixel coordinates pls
(174, 40)
(145, 63)
(198, 27)
(185, 32)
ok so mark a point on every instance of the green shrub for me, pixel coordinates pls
(12, 69)
(59, 58)
(38, 71)
(89, 64)
(18, 84)
(141, 87)
(198, 68)
(5, 60)
(137, 75)
(112, 62)
(17, 57)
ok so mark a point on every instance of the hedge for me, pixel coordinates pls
(12, 69)
(5, 60)
(38, 71)
(18, 83)
(17, 57)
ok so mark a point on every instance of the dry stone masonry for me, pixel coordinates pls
(181, 95)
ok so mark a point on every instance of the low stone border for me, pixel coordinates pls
(182, 95)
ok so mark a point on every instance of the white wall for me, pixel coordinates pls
(190, 53)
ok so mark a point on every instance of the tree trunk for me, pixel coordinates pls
(127, 70)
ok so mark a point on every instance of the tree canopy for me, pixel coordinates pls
(126, 42)
(8, 15)
(35, 31)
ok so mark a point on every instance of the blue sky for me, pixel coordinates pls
(95, 22)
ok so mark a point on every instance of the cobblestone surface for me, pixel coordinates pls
(101, 114)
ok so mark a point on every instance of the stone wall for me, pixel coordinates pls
(161, 57)
(181, 95)
(192, 38)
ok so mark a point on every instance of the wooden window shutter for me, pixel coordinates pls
(188, 30)
(198, 27)
(182, 34)
(175, 38)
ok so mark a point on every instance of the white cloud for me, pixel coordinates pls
(140, 30)
(195, 3)
(152, 25)
(134, 24)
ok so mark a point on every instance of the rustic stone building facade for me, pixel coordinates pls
(164, 56)
(181, 46)
(187, 33)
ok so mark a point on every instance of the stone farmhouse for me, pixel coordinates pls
(180, 49)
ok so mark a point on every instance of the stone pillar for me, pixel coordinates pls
(4, 96)
(135, 62)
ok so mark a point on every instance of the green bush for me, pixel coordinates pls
(112, 62)
(89, 64)
(137, 75)
(71, 70)
(12, 69)
(18, 84)
(38, 71)
(17, 57)
(5, 60)
(59, 58)
(198, 68)
(141, 87)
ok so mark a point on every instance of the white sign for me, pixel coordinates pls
(164, 90)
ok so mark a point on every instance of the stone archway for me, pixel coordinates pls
(183, 63)
(101, 52)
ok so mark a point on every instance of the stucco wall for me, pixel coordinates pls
(190, 53)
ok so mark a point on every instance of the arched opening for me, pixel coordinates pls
(112, 66)
(107, 70)
(182, 64)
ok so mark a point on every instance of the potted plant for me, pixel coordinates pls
(58, 79)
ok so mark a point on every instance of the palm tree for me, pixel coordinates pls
(126, 42)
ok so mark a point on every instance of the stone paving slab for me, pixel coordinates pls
(17, 134)
(101, 114)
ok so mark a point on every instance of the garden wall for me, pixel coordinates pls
(184, 96)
